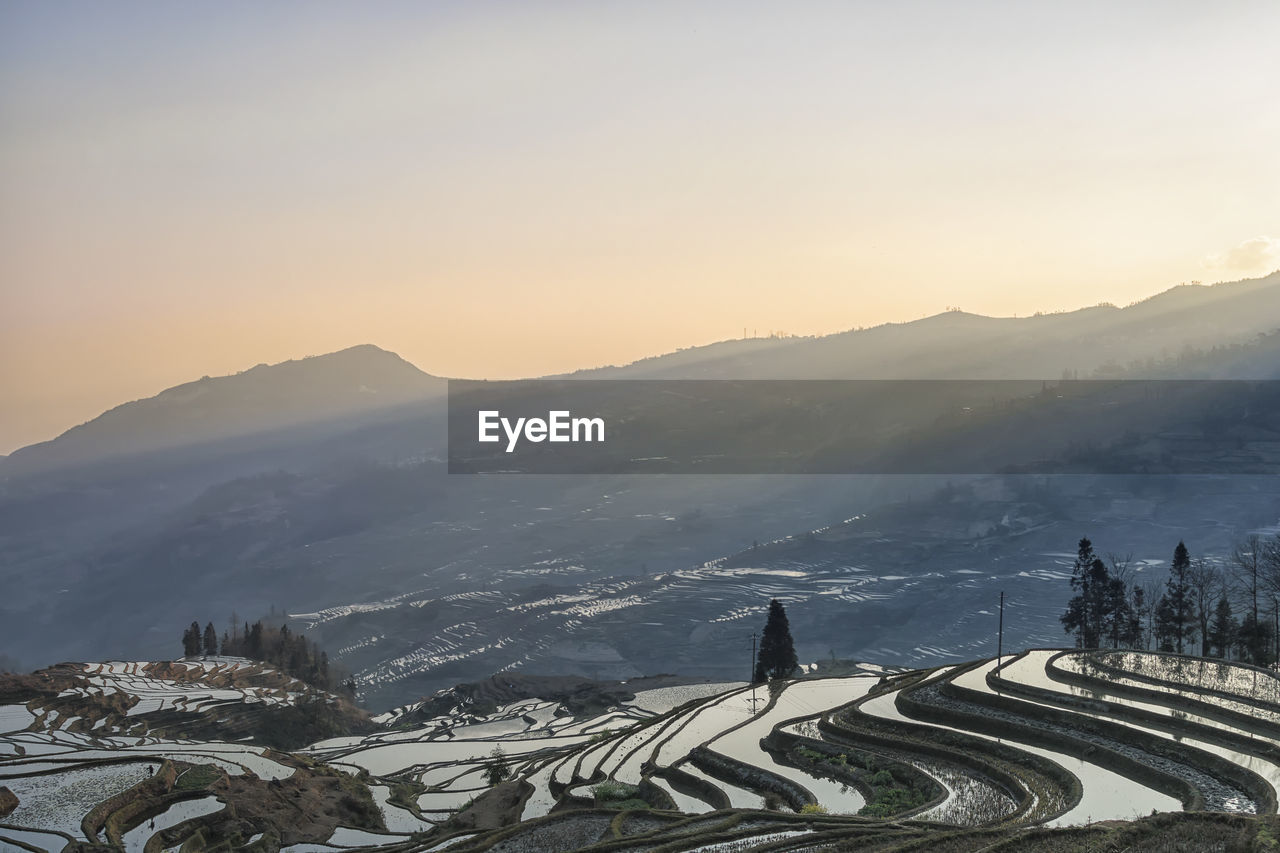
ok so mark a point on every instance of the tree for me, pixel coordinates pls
(1178, 593)
(254, 646)
(1247, 569)
(1086, 614)
(1076, 619)
(1163, 625)
(1155, 592)
(1122, 604)
(1252, 638)
(1118, 618)
(1119, 615)
(1271, 564)
(191, 640)
(1140, 606)
(777, 657)
(210, 639)
(1205, 583)
(496, 769)
(1223, 628)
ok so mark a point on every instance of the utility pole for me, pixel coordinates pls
(753, 673)
(1275, 613)
(1000, 636)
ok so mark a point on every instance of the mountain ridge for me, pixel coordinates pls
(944, 345)
(956, 344)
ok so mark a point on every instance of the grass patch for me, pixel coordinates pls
(405, 793)
(197, 778)
(615, 795)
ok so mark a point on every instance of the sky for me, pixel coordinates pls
(516, 189)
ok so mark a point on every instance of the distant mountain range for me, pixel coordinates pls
(366, 382)
(957, 345)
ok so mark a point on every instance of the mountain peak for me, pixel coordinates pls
(349, 382)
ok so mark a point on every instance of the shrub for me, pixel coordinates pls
(610, 793)
(496, 770)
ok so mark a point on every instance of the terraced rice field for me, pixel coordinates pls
(60, 764)
(975, 745)
(1045, 737)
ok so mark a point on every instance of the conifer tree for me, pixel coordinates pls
(777, 657)
(1179, 597)
(191, 640)
(1087, 612)
(255, 649)
(1222, 631)
(1165, 625)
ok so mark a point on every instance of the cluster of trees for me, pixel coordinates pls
(288, 651)
(1193, 611)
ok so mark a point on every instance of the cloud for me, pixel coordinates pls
(1258, 254)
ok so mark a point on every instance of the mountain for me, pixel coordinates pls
(958, 345)
(354, 382)
(365, 381)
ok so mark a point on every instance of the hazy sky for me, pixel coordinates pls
(509, 189)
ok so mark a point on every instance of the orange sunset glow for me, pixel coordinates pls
(496, 190)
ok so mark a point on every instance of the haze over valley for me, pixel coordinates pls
(317, 488)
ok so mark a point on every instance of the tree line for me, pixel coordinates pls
(288, 651)
(1193, 611)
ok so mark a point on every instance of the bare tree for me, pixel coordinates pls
(1205, 582)
(1270, 559)
(1121, 567)
(1248, 577)
(1120, 617)
(1151, 590)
